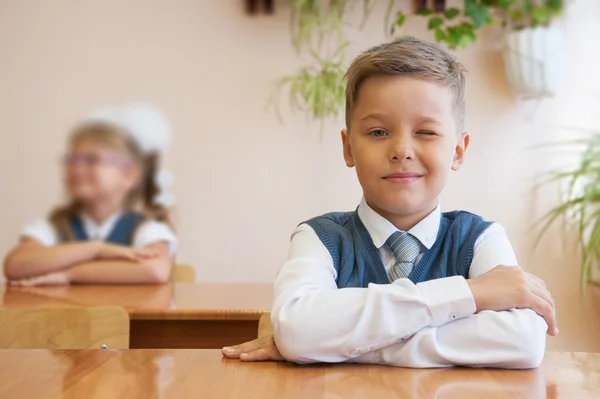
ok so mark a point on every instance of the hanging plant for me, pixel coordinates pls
(317, 89)
(458, 27)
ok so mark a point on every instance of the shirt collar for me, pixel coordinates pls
(380, 229)
(99, 231)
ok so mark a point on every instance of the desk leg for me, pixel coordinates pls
(190, 334)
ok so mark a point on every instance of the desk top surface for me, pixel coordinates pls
(204, 373)
(184, 301)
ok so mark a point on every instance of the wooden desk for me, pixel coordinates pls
(165, 316)
(204, 373)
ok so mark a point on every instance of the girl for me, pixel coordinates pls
(115, 228)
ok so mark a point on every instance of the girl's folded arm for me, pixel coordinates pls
(30, 258)
(156, 270)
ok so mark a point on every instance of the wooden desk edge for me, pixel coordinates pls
(194, 314)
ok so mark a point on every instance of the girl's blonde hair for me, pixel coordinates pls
(142, 196)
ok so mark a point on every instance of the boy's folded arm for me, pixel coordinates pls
(510, 339)
(314, 321)
(507, 339)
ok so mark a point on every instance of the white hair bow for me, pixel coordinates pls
(164, 181)
(146, 124)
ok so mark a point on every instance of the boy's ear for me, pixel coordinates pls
(347, 148)
(459, 151)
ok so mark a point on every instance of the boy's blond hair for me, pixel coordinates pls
(409, 57)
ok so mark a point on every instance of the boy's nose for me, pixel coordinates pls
(402, 150)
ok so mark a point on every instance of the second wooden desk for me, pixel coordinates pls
(203, 316)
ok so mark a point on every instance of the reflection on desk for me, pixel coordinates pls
(204, 373)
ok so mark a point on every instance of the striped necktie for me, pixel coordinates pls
(405, 248)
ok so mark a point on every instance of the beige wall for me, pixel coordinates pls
(243, 181)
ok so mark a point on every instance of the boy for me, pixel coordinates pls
(398, 282)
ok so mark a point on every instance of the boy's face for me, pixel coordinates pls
(403, 143)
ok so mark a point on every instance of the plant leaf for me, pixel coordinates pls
(439, 35)
(464, 41)
(368, 6)
(435, 22)
(506, 4)
(453, 36)
(471, 35)
(516, 15)
(452, 13)
(539, 16)
(424, 12)
(478, 12)
(401, 19)
(388, 15)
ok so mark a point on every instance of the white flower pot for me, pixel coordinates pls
(534, 61)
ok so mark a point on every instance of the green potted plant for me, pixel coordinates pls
(458, 27)
(534, 50)
(580, 204)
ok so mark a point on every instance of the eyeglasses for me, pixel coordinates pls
(91, 160)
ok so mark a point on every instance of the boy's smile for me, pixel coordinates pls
(403, 177)
(403, 142)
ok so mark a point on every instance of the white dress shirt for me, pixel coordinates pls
(429, 324)
(147, 233)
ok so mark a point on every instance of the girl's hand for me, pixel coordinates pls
(121, 252)
(56, 278)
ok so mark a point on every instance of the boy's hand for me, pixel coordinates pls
(260, 349)
(509, 287)
(120, 252)
(56, 278)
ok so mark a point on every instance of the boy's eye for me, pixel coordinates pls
(426, 132)
(378, 133)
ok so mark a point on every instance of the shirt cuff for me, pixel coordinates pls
(448, 299)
